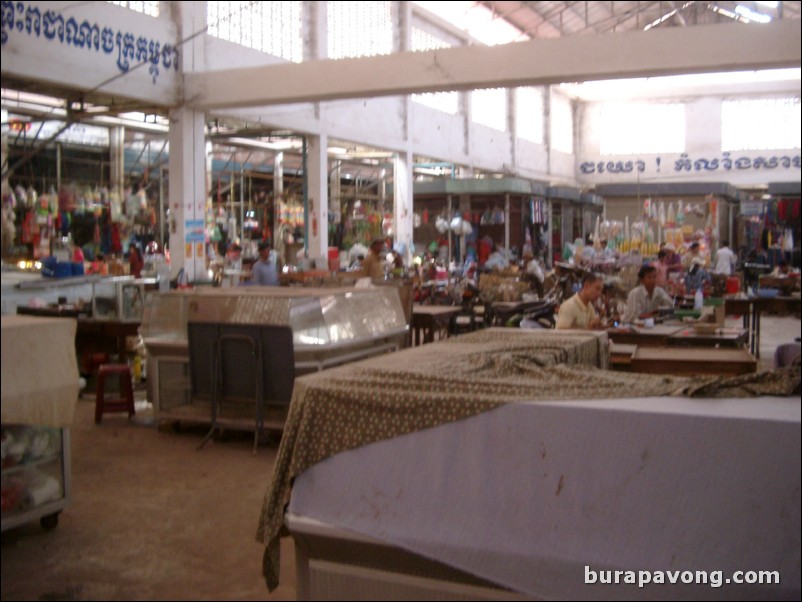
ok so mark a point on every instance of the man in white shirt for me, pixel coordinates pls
(725, 260)
(646, 298)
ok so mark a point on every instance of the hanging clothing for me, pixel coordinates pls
(116, 239)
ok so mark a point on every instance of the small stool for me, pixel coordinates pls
(116, 404)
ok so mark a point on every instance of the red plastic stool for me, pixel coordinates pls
(90, 362)
(116, 404)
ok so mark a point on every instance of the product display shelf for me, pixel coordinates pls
(38, 489)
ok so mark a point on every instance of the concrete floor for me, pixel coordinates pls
(154, 518)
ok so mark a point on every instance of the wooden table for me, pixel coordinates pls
(93, 335)
(751, 308)
(787, 284)
(105, 335)
(502, 311)
(722, 337)
(429, 318)
(693, 361)
(621, 356)
(657, 336)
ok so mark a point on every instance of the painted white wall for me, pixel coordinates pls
(531, 160)
(489, 148)
(562, 168)
(222, 54)
(371, 121)
(703, 152)
(437, 134)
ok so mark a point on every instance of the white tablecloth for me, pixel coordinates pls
(527, 495)
(39, 370)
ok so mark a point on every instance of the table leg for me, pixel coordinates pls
(429, 331)
(756, 326)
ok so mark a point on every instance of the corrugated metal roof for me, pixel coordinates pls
(553, 19)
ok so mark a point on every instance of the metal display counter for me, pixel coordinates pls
(329, 327)
(36, 414)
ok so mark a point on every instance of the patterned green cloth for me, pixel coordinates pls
(395, 394)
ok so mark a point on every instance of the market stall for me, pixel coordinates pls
(572, 215)
(457, 215)
(768, 227)
(676, 213)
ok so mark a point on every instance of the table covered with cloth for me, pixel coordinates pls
(40, 371)
(424, 387)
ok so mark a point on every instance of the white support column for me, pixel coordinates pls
(278, 175)
(548, 232)
(117, 148)
(404, 162)
(4, 148)
(278, 195)
(449, 216)
(318, 202)
(507, 221)
(8, 231)
(335, 192)
(187, 186)
(402, 203)
(464, 207)
(187, 195)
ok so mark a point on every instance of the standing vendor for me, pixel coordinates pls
(694, 252)
(646, 298)
(135, 260)
(578, 311)
(264, 270)
(697, 277)
(372, 266)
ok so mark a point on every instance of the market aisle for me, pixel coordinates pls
(152, 518)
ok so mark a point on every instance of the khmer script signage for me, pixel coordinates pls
(127, 49)
(688, 165)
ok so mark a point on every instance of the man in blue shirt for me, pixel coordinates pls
(264, 271)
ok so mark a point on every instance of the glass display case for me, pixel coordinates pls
(35, 476)
(120, 298)
(329, 327)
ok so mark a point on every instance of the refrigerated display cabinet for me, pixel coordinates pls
(329, 327)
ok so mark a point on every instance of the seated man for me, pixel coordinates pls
(578, 311)
(646, 298)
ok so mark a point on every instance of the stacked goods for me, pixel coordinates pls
(497, 287)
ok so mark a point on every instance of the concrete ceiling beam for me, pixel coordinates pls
(669, 51)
